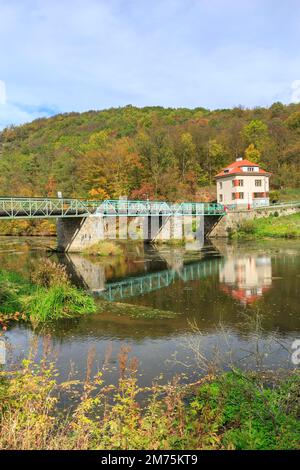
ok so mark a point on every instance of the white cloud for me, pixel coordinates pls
(11, 113)
(97, 54)
(2, 92)
(295, 91)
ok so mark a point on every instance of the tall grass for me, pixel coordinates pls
(270, 227)
(50, 297)
(231, 411)
(58, 301)
(12, 287)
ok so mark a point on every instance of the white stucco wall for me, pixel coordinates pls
(248, 189)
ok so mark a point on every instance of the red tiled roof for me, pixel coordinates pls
(235, 168)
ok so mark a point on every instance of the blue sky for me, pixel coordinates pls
(70, 55)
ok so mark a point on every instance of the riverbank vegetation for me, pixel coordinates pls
(233, 410)
(104, 248)
(269, 227)
(47, 296)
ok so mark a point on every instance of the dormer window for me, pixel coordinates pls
(250, 169)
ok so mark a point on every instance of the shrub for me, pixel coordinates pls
(274, 196)
(104, 248)
(247, 226)
(47, 273)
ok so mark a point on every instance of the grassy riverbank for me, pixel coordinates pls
(47, 296)
(234, 410)
(270, 227)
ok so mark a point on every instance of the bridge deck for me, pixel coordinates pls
(38, 208)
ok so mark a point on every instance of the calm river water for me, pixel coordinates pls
(234, 302)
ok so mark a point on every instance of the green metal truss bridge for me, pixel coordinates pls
(139, 285)
(39, 208)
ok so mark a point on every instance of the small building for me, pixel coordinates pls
(243, 184)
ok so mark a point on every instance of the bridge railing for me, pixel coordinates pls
(21, 207)
(44, 207)
(276, 205)
(155, 208)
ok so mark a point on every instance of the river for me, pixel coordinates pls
(234, 303)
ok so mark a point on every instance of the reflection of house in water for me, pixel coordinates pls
(246, 278)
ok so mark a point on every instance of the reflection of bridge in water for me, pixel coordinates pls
(139, 285)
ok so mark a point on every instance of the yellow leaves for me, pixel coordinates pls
(99, 139)
(99, 193)
(252, 154)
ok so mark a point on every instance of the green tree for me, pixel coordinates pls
(253, 154)
(215, 158)
(293, 121)
(256, 133)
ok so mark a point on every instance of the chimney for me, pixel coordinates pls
(239, 159)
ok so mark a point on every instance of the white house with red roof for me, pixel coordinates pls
(243, 184)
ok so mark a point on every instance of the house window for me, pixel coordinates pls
(233, 196)
(241, 195)
(237, 183)
(250, 168)
(259, 195)
(221, 198)
(220, 185)
(258, 182)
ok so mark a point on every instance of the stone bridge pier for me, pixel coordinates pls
(75, 234)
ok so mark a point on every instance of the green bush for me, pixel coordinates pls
(250, 415)
(247, 226)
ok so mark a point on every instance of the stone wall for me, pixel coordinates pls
(233, 219)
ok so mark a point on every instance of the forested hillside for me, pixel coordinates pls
(146, 152)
